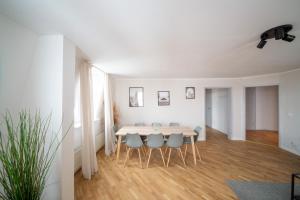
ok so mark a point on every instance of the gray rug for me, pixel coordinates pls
(251, 190)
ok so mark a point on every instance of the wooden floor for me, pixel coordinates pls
(264, 137)
(222, 160)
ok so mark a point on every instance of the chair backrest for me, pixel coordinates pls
(175, 140)
(133, 140)
(156, 124)
(197, 130)
(155, 140)
(174, 124)
(139, 124)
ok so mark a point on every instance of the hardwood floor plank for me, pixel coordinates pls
(264, 137)
(222, 160)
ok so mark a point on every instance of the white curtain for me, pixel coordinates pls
(88, 150)
(108, 112)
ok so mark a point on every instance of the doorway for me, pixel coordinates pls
(262, 115)
(218, 110)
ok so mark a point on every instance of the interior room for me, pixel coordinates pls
(150, 99)
(262, 114)
(218, 110)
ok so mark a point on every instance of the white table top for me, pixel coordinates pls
(147, 130)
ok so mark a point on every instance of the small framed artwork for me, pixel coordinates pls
(136, 97)
(163, 98)
(190, 93)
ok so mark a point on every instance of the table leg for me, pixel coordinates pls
(119, 146)
(193, 148)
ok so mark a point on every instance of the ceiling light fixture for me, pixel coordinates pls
(279, 33)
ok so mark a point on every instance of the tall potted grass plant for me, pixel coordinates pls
(26, 155)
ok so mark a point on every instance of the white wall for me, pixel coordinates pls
(267, 108)
(186, 112)
(289, 104)
(221, 115)
(17, 46)
(36, 73)
(208, 107)
(50, 88)
(262, 108)
(218, 107)
(251, 108)
(43, 91)
(67, 161)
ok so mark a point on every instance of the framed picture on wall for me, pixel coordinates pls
(163, 98)
(190, 93)
(136, 96)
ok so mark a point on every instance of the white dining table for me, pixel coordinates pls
(147, 130)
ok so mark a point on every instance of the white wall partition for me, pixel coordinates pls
(36, 72)
(289, 117)
(50, 88)
(67, 175)
(43, 91)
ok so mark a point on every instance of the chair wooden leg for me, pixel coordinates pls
(144, 150)
(166, 150)
(169, 157)
(131, 152)
(162, 156)
(185, 150)
(178, 154)
(198, 153)
(140, 157)
(182, 156)
(127, 156)
(150, 150)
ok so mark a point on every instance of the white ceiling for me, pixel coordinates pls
(169, 38)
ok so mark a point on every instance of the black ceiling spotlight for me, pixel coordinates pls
(279, 32)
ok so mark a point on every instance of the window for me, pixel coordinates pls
(97, 98)
(97, 88)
